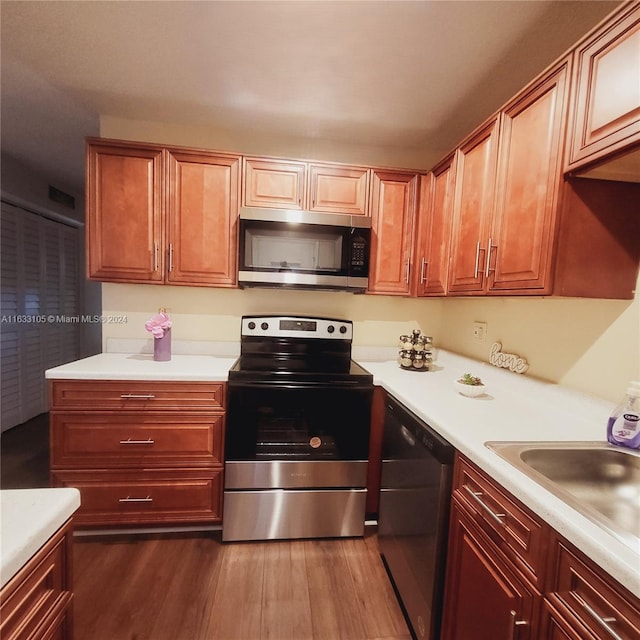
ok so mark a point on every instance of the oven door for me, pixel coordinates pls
(303, 422)
(295, 461)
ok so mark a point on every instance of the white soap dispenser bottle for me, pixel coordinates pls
(623, 427)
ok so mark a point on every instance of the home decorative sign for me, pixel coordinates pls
(509, 361)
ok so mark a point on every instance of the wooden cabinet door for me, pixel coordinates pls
(484, 598)
(434, 230)
(519, 250)
(606, 94)
(336, 189)
(124, 213)
(202, 214)
(274, 184)
(473, 209)
(393, 207)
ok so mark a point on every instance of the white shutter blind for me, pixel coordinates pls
(40, 289)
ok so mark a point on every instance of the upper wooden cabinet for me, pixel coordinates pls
(519, 249)
(161, 215)
(202, 220)
(337, 189)
(473, 209)
(274, 184)
(431, 253)
(606, 97)
(288, 184)
(393, 210)
(125, 212)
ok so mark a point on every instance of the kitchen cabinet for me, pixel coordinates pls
(202, 218)
(37, 603)
(606, 99)
(393, 211)
(511, 577)
(161, 215)
(274, 184)
(125, 212)
(518, 256)
(476, 160)
(581, 596)
(339, 189)
(522, 228)
(139, 452)
(491, 601)
(431, 252)
(320, 187)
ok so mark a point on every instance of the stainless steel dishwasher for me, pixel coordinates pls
(415, 488)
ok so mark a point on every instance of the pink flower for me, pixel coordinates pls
(158, 324)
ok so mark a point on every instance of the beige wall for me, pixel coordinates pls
(591, 345)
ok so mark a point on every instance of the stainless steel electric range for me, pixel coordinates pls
(297, 436)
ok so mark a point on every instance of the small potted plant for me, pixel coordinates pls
(470, 385)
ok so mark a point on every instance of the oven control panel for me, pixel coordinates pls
(297, 327)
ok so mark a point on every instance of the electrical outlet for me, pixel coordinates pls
(479, 331)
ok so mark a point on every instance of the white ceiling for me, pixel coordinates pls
(393, 73)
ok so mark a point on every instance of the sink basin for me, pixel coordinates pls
(598, 479)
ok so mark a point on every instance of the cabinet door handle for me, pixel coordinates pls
(170, 257)
(515, 624)
(475, 496)
(605, 623)
(130, 441)
(487, 268)
(407, 268)
(128, 499)
(137, 396)
(155, 255)
(476, 269)
(423, 265)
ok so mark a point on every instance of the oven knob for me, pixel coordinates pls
(264, 326)
(252, 325)
(343, 329)
(331, 328)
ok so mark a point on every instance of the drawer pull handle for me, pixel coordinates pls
(128, 499)
(475, 495)
(605, 623)
(137, 396)
(515, 624)
(130, 441)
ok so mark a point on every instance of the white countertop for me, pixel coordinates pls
(123, 366)
(29, 518)
(515, 408)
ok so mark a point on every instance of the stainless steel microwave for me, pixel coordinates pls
(302, 249)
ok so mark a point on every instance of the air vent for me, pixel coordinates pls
(61, 197)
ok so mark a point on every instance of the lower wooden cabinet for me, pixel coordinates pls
(511, 577)
(141, 453)
(36, 604)
(487, 599)
(145, 496)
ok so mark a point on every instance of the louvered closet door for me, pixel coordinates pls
(40, 308)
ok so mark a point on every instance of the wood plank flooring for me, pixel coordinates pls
(193, 587)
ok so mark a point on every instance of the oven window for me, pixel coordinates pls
(299, 423)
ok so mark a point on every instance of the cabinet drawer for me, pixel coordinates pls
(37, 593)
(104, 439)
(520, 536)
(136, 395)
(593, 600)
(147, 497)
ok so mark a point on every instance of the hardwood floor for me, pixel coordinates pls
(24, 462)
(193, 587)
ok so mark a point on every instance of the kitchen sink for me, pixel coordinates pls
(600, 480)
